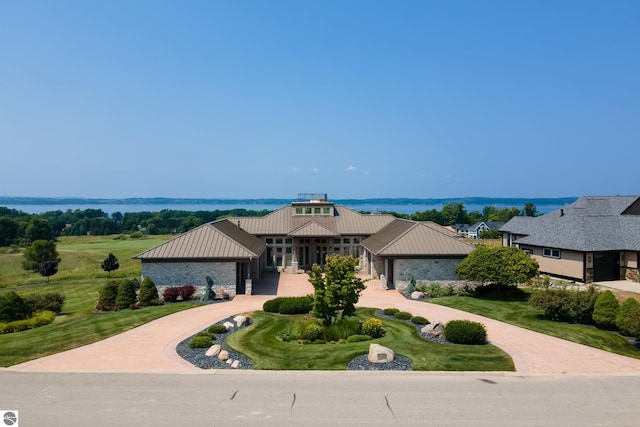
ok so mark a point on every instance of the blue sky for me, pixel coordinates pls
(357, 99)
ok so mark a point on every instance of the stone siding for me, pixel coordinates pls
(632, 274)
(424, 270)
(166, 274)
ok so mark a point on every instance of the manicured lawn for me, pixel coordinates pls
(521, 313)
(259, 342)
(77, 325)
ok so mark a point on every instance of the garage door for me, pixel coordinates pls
(605, 266)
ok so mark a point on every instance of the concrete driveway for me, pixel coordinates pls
(151, 347)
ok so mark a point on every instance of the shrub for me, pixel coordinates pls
(171, 294)
(348, 326)
(107, 297)
(605, 310)
(465, 332)
(186, 292)
(419, 320)
(372, 327)
(403, 315)
(295, 305)
(51, 301)
(390, 311)
(126, 294)
(628, 318)
(564, 305)
(39, 319)
(12, 307)
(200, 341)
(358, 338)
(331, 333)
(272, 305)
(312, 332)
(136, 235)
(148, 293)
(217, 329)
(434, 290)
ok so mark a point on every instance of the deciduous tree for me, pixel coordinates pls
(48, 269)
(39, 252)
(502, 266)
(110, 264)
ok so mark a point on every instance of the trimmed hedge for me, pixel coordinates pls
(390, 311)
(288, 305)
(12, 307)
(50, 301)
(419, 320)
(200, 341)
(606, 310)
(628, 318)
(39, 319)
(359, 338)
(403, 315)
(217, 329)
(465, 332)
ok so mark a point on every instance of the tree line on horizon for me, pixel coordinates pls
(22, 229)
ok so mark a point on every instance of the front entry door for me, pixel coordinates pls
(390, 274)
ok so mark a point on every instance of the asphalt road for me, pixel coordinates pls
(262, 398)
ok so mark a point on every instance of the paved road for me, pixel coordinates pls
(151, 347)
(263, 398)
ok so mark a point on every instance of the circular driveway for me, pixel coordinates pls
(151, 347)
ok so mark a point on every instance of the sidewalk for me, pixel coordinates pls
(151, 347)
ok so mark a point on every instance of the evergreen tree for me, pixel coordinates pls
(110, 264)
(126, 294)
(606, 310)
(148, 293)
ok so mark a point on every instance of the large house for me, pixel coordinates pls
(234, 251)
(593, 239)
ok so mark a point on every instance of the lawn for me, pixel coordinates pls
(521, 313)
(260, 343)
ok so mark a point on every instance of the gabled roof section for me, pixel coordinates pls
(312, 229)
(409, 238)
(344, 222)
(220, 239)
(590, 224)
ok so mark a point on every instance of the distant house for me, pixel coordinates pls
(295, 237)
(473, 231)
(593, 239)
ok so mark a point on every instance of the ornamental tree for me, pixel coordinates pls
(48, 269)
(110, 264)
(337, 290)
(499, 265)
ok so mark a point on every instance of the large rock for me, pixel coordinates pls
(214, 350)
(235, 364)
(417, 295)
(434, 328)
(240, 320)
(380, 354)
(229, 325)
(224, 355)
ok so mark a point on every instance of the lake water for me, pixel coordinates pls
(369, 207)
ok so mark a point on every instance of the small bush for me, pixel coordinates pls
(403, 315)
(358, 338)
(295, 305)
(217, 329)
(39, 319)
(171, 294)
(107, 296)
(419, 320)
(390, 311)
(12, 307)
(628, 318)
(332, 333)
(50, 301)
(465, 332)
(200, 341)
(312, 332)
(136, 235)
(186, 292)
(126, 294)
(372, 327)
(564, 305)
(272, 305)
(319, 341)
(606, 310)
(148, 294)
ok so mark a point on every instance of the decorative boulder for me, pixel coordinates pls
(434, 328)
(240, 320)
(235, 364)
(214, 350)
(417, 295)
(229, 362)
(229, 325)
(224, 355)
(380, 354)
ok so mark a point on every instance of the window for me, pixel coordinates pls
(279, 250)
(307, 211)
(316, 211)
(551, 253)
(336, 241)
(288, 241)
(326, 211)
(269, 241)
(288, 250)
(356, 240)
(347, 241)
(279, 241)
(298, 211)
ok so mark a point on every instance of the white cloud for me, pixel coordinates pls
(352, 168)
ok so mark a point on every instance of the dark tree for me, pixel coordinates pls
(38, 229)
(9, 230)
(530, 209)
(48, 269)
(110, 264)
(39, 252)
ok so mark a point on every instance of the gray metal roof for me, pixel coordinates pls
(409, 238)
(590, 224)
(214, 240)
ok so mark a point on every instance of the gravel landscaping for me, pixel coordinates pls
(196, 356)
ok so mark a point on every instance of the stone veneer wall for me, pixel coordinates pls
(166, 274)
(424, 270)
(632, 274)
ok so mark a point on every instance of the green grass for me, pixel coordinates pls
(521, 313)
(77, 325)
(259, 342)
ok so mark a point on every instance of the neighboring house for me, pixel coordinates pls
(293, 238)
(461, 229)
(591, 240)
(473, 231)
